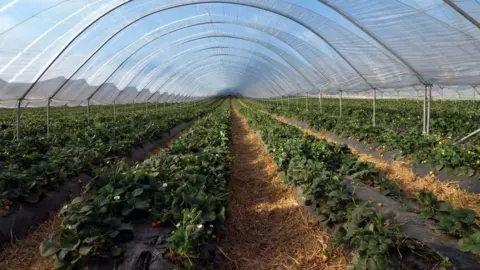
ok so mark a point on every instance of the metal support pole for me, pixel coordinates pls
(288, 102)
(164, 104)
(429, 107)
(374, 120)
(18, 118)
(306, 101)
(48, 117)
(320, 101)
(114, 111)
(296, 101)
(146, 107)
(156, 106)
(88, 111)
(425, 111)
(468, 136)
(341, 98)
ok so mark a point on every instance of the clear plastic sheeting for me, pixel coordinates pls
(132, 51)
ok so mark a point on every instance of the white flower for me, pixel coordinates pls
(164, 185)
(69, 227)
(199, 226)
(116, 198)
(178, 225)
(65, 206)
(211, 225)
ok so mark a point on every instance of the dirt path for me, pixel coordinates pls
(266, 228)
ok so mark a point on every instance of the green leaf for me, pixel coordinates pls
(63, 253)
(141, 205)
(84, 251)
(221, 215)
(118, 192)
(439, 167)
(77, 200)
(108, 188)
(115, 251)
(125, 227)
(470, 244)
(86, 208)
(209, 216)
(113, 234)
(137, 192)
(90, 240)
(59, 264)
(48, 247)
(128, 209)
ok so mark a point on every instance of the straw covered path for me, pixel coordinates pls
(266, 227)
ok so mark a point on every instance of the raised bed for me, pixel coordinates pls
(146, 251)
(413, 225)
(471, 184)
(27, 215)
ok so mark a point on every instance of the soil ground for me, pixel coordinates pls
(266, 227)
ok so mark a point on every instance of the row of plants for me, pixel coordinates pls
(184, 188)
(34, 120)
(399, 128)
(460, 223)
(36, 163)
(320, 168)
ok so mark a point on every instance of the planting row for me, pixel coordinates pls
(34, 164)
(168, 209)
(326, 172)
(398, 129)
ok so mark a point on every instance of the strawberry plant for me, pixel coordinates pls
(37, 163)
(371, 235)
(184, 187)
(399, 128)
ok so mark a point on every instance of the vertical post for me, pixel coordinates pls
(88, 111)
(164, 104)
(146, 107)
(156, 106)
(306, 101)
(320, 101)
(374, 123)
(429, 107)
(48, 117)
(114, 111)
(288, 101)
(425, 111)
(296, 101)
(341, 98)
(474, 93)
(427, 96)
(19, 103)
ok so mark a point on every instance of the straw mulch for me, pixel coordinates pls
(401, 173)
(266, 227)
(24, 254)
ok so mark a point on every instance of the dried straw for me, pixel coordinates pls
(401, 173)
(266, 227)
(24, 254)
